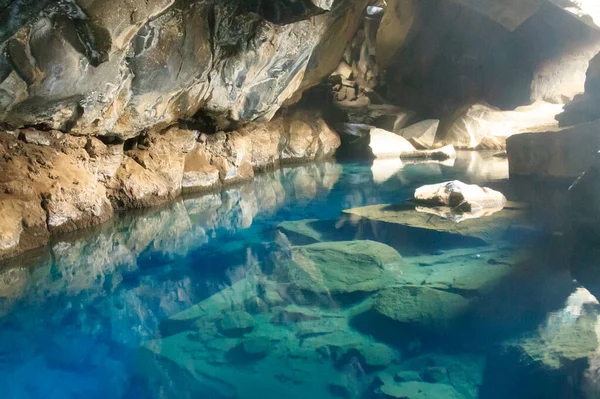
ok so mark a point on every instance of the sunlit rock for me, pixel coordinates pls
(456, 194)
(384, 144)
(473, 124)
(424, 131)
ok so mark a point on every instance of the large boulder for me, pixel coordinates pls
(341, 267)
(384, 144)
(456, 194)
(423, 132)
(471, 126)
(422, 308)
(555, 154)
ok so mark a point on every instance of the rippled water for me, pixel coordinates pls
(270, 290)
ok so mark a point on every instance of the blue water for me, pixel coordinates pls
(92, 315)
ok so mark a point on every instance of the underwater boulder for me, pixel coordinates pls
(341, 267)
(423, 308)
(419, 390)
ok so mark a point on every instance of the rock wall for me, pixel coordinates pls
(54, 182)
(109, 68)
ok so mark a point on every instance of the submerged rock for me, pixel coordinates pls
(421, 307)
(419, 390)
(491, 229)
(456, 194)
(341, 267)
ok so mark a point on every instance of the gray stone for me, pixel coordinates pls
(555, 154)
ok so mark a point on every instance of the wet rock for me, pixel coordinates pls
(377, 356)
(421, 307)
(440, 154)
(489, 230)
(556, 154)
(342, 267)
(303, 231)
(419, 390)
(424, 132)
(458, 215)
(435, 374)
(257, 347)
(585, 212)
(457, 194)
(294, 314)
(406, 376)
(236, 324)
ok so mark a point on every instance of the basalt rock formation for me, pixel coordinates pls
(108, 105)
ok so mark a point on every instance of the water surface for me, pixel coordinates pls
(269, 289)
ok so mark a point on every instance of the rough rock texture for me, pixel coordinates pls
(423, 132)
(478, 123)
(456, 194)
(54, 182)
(458, 57)
(421, 307)
(564, 153)
(106, 68)
(585, 107)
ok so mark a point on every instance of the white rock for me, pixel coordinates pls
(425, 131)
(469, 197)
(386, 144)
(480, 121)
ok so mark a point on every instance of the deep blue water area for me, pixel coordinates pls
(317, 281)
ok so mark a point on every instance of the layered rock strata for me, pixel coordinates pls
(55, 183)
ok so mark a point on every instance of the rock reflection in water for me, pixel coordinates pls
(271, 289)
(173, 231)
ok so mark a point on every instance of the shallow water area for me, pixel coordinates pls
(315, 281)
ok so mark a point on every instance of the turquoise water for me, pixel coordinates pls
(270, 290)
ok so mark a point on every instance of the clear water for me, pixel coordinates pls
(208, 298)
